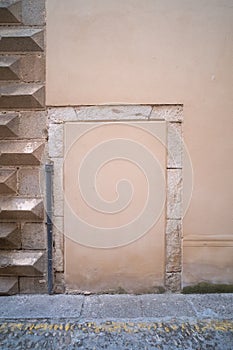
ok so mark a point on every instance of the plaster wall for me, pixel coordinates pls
(158, 52)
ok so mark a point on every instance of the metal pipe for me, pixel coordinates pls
(48, 180)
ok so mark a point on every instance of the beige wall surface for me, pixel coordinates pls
(101, 211)
(156, 51)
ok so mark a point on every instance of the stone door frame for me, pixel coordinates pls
(173, 116)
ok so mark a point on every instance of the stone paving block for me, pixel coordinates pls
(35, 306)
(163, 307)
(174, 193)
(9, 68)
(22, 96)
(21, 152)
(10, 236)
(33, 285)
(205, 305)
(8, 285)
(109, 306)
(21, 40)
(118, 112)
(175, 146)
(10, 12)
(170, 306)
(29, 182)
(169, 113)
(25, 209)
(8, 125)
(8, 181)
(33, 235)
(22, 263)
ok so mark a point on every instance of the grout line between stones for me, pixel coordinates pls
(141, 307)
(82, 307)
(193, 307)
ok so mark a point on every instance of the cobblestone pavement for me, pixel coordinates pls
(117, 322)
(64, 334)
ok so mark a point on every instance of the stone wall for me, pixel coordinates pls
(22, 142)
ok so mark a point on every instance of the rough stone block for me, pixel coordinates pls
(27, 12)
(8, 285)
(32, 285)
(21, 152)
(33, 236)
(118, 112)
(58, 180)
(58, 260)
(173, 258)
(22, 263)
(29, 182)
(59, 283)
(10, 237)
(8, 181)
(59, 208)
(168, 113)
(27, 68)
(8, 125)
(55, 141)
(175, 145)
(134, 112)
(33, 12)
(58, 194)
(58, 244)
(174, 193)
(173, 282)
(21, 40)
(32, 68)
(32, 124)
(21, 209)
(9, 68)
(10, 12)
(60, 114)
(22, 96)
(173, 245)
(173, 231)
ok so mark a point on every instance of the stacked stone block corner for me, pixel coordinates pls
(22, 146)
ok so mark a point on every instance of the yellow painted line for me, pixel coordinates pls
(174, 327)
(67, 327)
(221, 326)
